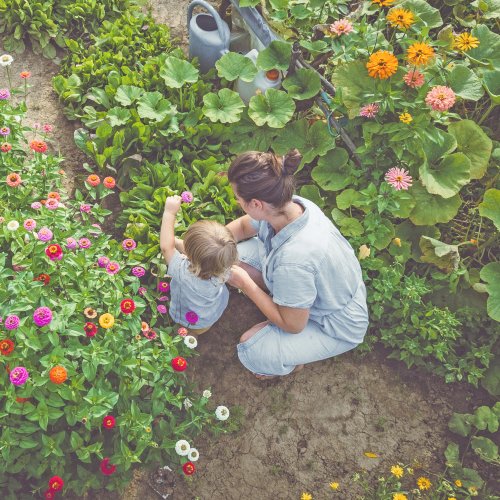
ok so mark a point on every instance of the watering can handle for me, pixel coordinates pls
(214, 13)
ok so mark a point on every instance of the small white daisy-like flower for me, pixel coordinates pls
(222, 413)
(190, 341)
(6, 60)
(187, 403)
(182, 448)
(193, 455)
(207, 394)
(61, 205)
(13, 225)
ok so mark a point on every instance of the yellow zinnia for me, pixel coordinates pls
(397, 470)
(399, 496)
(423, 483)
(383, 2)
(466, 42)
(458, 483)
(400, 17)
(106, 320)
(382, 64)
(405, 117)
(306, 496)
(334, 486)
(419, 54)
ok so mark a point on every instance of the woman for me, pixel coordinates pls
(317, 303)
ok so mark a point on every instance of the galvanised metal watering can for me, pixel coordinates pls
(209, 36)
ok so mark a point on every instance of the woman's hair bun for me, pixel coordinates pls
(292, 161)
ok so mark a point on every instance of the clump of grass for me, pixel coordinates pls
(283, 430)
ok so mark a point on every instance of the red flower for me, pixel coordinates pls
(6, 147)
(106, 468)
(61, 172)
(6, 346)
(109, 182)
(50, 494)
(38, 146)
(127, 305)
(90, 329)
(7, 369)
(44, 278)
(54, 252)
(188, 468)
(179, 364)
(22, 400)
(56, 483)
(109, 422)
(54, 196)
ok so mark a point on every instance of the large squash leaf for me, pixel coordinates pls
(225, 107)
(275, 56)
(490, 207)
(275, 108)
(177, 72)
(233, 65)
(303, 84)
(491, 274)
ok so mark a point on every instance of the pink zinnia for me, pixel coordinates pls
(42, 316)
(341, 27)
(103, 262)
(12, 322)
(162, 309)
(440, 98)
(187, 197)
(138, 271)
(112, 268)
(163, 298)
(163, 286)
(70, 243)
(4, 94)
(182, 331)
(129, 244)
(414, 79)
(19, 375)
(45, 234)
(5, 130)
(398, 178)
(25, 74)
(85, 208)
(29, 224)
(36, 125)
(52, 204)
(36, 205)
(142, 291)
(150, 334)
(47, 128)
(84, 243)
(191, 317)
(370, 110)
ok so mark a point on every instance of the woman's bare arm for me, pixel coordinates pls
(241, 228)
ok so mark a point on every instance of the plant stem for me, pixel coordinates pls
(180, 95)
(10, 87)
(486, 114)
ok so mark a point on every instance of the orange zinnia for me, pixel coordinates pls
(383, 2)
(419, 54)
(400, 17)
(382, 64)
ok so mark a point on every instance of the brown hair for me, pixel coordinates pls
(261, 176)
(211, 250)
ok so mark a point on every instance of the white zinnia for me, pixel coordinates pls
(222, 413)
(13, 225)
(6, 60)
(207, 394)
(193, 455)
(190, 341)
(187, 403)
(182, 448)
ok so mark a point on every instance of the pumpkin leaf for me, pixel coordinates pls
(333, 173)
(233, 65)
(491, 274)
(351, 227)
(303, 84)
(465, 83)
(118, 116)
(225, 107)
(490, 207)
(275, 108)
(406, 231)
(443, 256)
(275, 56)
(487, 53)
(177, 72)
(152, 105)
(491, 82)
(247, 136)
(127, 94)
(311, 192)
(434, 151)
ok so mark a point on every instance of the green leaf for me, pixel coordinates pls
(452, 453)
(384, 240)
(233, 65)
(484, 417)
(225, 108)
(310, 141)
(432, 208)
(347, 198)
(317, 46)
(351, 227)
(118, 116)
(445, 257)
(459, 425)
(333, 173)
(490, 8)
(490, 207)
(491, 82)
(275, 108)
(151, 105)
(425, 14)
(49, 51)
(433, 151)
(465, 83)
(127, 94)
(474, 144)
(448, 177)
(491, 274)
(491, 380)
(177, 72)
(137, 231)
(485, 447)
(275, 56)
(81, 137)
(303, 84)
(406, 205)
(247, 136)
(311, 192)
(488, 49)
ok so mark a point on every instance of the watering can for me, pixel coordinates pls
(209, 36)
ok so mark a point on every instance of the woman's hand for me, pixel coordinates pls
(239, 278)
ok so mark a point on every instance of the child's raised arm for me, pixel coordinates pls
(167, 235)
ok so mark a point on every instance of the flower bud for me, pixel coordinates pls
(396, 241)
(364, 252)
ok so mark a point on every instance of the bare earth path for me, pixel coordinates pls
(313, 427)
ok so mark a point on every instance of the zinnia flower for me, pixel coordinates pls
(84, 243)
(127, 306)
(107, 320)
(414, 78)
(397, 471)
(58, 374)
(162, 299)
(138, 271)
(44, 278)
(103, 262)
(42, 316)
(423, 483)
(191, 317)
(383, 2)
(401, 17)
(5, 131)
(341, 27)
(419, 54)
(19, 375)
(190, 342)
(306, 496)
(399, 496)
(163, 286)
(54, 252)
(49, 494)
(207, 394)
(179, 364)
(47, 128)
(45, 234)
(398, 178)
(188, 468)
(6, 60)
(108, 422)
(129, 244)
(52, 204)
(90, 313)
(85, 208)
(112, 268)
(13, 180)
(440, 98)
(90, 329)
(109, 182)
(19, 269)
(405, 118)
(162, 309)
(25, 74)
(222, 413)
(29, 224)
(2, 220)
(36, 205)
(106, 468)
(61, 172)
(182, 447)
(458, 483)
(70, 243)
(193, 454)
(36, 125)
(6, 347)
(382, 64)
(4, 94)
(13, 225)
(93, 180)
(466, 42)
(6, 147)
(38, 146)
(141, 291)
(53, 195)
(144, 326)
(370, 110)
(187, 197)
(182, 331)
(56, 483)
(334, 486)
(150, 334)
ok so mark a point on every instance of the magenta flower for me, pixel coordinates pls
(84, 243)
(52, 204)
(47, 128)
(370, 110)
(440, 98)
(163, 286)
(398, 178)
(187, 197)
(191, 317)
(85, 208)
(163, 299)
(162, 309)
(4, 94)
(70, 243)
(12, 322)
(129, 244)
(42, 316)
(29, 224)
(150, 334)
(138, 271)
(45, 234)
(36, 205)
(142, 291)
(19, 375)
(18, 269)
(5, 130)
(341, 27)
(112, 268)
(103, 262)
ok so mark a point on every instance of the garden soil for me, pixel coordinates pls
(293, 434)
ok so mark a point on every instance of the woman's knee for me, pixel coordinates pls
(250, 333)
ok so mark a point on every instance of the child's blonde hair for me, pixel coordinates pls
(211, 249)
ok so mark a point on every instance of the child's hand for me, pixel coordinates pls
(173, 204)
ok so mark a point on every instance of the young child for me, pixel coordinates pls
(198, 277)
